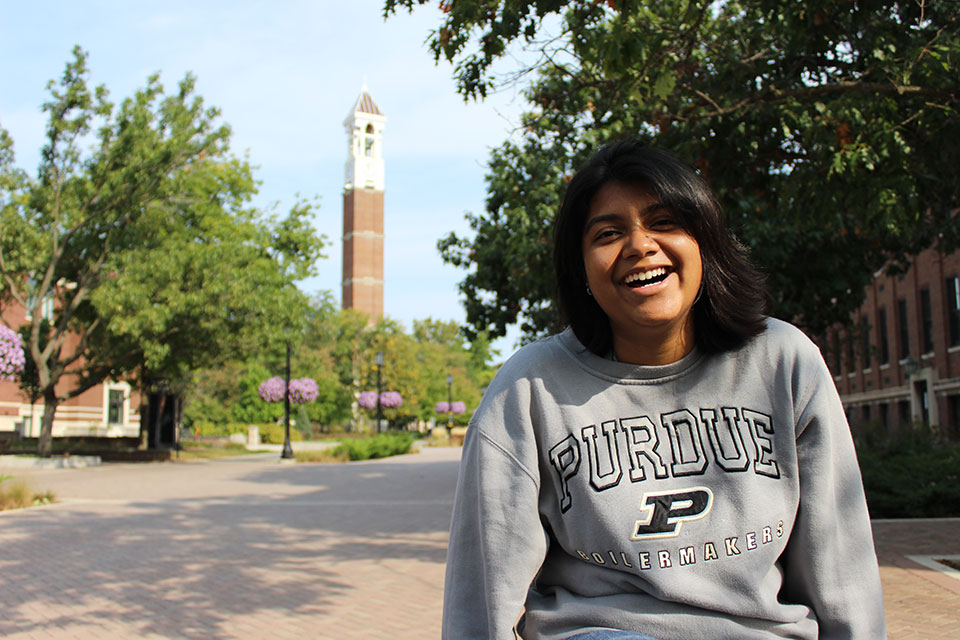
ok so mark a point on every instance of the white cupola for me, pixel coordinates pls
(364, 125)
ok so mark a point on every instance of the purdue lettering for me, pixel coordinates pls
(725, 439)
(642, 444)
(682, 444)
(565, 458)
(607, 456)
(685, 444)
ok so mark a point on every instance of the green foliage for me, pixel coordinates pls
(303, 424)
(17, 494)
(274, 433)
(382, 445)
(828, 130)
(911, 477)
(250, 407)
(337, 349)
(145, 242)
(207, 428)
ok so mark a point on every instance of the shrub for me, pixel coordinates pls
(204, 428)
(381, 445)
(302, 422)
(16, 494)
(911, 477)
(274, 433)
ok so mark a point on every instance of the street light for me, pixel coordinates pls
(287, 449)
(911, 367)
(449, 404)
(379, 361)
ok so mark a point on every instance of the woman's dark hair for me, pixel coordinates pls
(733, 297)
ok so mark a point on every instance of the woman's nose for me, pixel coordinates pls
(641, 242)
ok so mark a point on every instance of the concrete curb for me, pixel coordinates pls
(60, 462)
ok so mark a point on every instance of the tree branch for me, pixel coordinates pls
(808, 93)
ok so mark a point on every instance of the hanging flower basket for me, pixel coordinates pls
(388, 400)
(455, 407)
(302, 390)
(11, 353)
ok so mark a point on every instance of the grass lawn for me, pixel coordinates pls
(17, 494)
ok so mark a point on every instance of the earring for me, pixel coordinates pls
(589, 293)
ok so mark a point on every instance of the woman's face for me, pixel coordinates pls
(644, 270)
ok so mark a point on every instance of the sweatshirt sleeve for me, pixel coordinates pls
(497, 542)
(830, 563)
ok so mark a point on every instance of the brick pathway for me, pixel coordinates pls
(231, 549)
(250, 548)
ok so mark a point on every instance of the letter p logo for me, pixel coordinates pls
(664, 512)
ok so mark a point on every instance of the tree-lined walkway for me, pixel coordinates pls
(250, 548)
(231, 549)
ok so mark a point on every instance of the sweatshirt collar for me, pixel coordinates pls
(622, 371)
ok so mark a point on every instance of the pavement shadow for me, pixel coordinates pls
(185, 567)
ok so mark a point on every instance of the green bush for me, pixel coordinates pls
(381, 445)
(274, 433)
(205, 428)
(911, 477)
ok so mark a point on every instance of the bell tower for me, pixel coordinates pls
(363, 188)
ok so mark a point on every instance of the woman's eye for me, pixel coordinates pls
(605, 234)
(664, 223)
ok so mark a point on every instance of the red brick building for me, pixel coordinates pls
(898, 362)
(110, 409)
(362, 283)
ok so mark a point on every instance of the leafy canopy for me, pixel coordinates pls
(135, 250)
(828, 130)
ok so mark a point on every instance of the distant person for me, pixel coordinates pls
(674, 465)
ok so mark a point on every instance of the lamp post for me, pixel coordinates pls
(287, 449)
(379, 361)
(449, 403)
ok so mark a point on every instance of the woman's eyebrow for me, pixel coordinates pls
(605, 217)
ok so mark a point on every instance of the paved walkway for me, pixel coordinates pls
(251, 548)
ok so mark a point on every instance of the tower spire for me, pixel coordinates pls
(363, 207)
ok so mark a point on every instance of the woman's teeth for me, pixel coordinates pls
(645, 277)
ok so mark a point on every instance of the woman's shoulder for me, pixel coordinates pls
(532, 357)
(782, 340)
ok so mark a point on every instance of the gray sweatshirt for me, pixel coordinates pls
(714, 497)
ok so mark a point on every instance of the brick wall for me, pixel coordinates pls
(919, 379)
(363, 251)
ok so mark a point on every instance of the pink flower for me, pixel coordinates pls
(11, 353)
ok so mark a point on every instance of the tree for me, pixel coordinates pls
(828, 130)
(142, 253)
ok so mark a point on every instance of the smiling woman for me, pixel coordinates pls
(644, 271)
(674, 464)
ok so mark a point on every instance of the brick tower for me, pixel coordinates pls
(363, 209)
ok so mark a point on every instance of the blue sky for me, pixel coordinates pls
(285, 74)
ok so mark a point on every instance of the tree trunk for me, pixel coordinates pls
(45, 443)
(156, 420)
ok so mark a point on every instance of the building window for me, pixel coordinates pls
(903, 328)
(953, 309)
(115, 407)
(926, 321)
(865, 342)
(903, 407)
(835, 352)
(851, 351)
(882, 329)
(885, 416)
(954, 402)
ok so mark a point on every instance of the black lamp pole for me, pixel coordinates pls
(379, 390)
(287, 449)
(449, 403)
